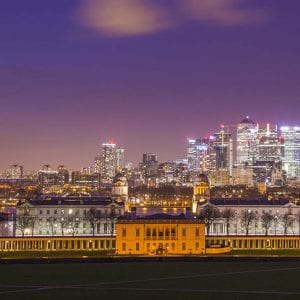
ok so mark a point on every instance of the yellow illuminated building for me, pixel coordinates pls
(201, 191)
(159, 236)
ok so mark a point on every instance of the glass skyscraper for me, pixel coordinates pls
(291, 158)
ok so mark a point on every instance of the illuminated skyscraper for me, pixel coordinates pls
(198, 154)
(149, 165)
(246, 147)
(270, 144)
(221, 144)
(106, 163)
(120, 159)
(291, 158)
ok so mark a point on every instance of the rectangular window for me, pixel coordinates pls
(123, 246)
(154, 232)
(173, 246)
(173, 231)
(137, 232)
(197, 232)
(197, 246)
(148, 232)
(123, 232)
(41, 212)
(183, 232)
(137, 247)
(183, 247)
(167, 232)
(48, 212)
(160, 232)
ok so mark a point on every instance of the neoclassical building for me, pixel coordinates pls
(160, 234)
(285, 217)
(68, 216)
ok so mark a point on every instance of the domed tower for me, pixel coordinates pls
(119, 189)
(201, 191)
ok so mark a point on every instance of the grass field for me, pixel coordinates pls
(152, 280)
(94, 254)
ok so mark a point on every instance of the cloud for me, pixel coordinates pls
(223, 12)
(123, 17)
(140, 17)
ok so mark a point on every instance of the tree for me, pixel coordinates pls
(266, 221)
(92, 216)
(276, 221)
(73, 222)
(209, 214)
(51, 222)
(247, 218)
(228, 215)
(23, 219)
(32, 222)
(297, 217)
(63, 223)
(287, 221)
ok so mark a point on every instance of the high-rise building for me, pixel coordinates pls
(270, 150)
(16, 172)
(149, 165)
(120, 159)
(291, 158)
(246, 142)
(198, 155)
(221, 154)
(270, 144)
(106, 163)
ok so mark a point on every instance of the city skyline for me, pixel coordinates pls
(71, 80)
(230, 157)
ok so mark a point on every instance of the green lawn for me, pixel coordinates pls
(152, 280)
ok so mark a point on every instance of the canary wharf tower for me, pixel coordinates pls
(246, 142)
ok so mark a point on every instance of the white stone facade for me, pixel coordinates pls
(68, 217)
(236, 227)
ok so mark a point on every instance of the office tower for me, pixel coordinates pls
(270, 150)
(16, 172)
(246, 149)
(270, 145)
(198, 155)
(97, 164)
(149, 165)
(120, 159)
(63, 175)
(105, 163)
(221, 144)
(291, 158)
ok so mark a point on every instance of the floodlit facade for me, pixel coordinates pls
(285, 217)
(68, 216)
(160, 235)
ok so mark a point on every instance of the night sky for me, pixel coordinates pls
(148, 74)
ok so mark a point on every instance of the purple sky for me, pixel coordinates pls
(76, 73)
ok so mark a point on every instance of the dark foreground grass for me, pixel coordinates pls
(152, 280)
(102, 254)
